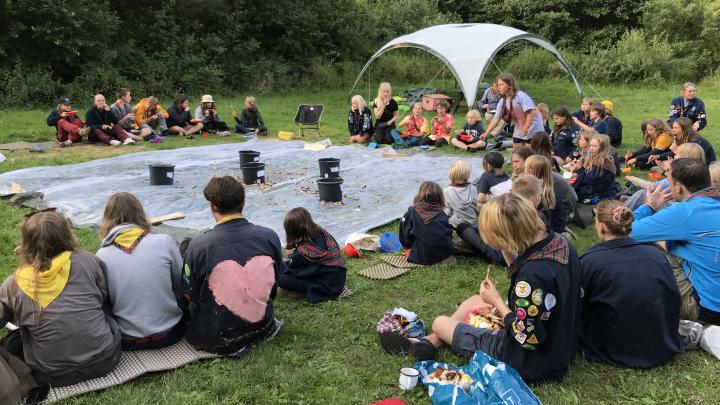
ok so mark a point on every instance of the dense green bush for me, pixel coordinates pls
(165, 47)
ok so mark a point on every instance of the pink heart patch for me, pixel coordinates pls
(244, 290)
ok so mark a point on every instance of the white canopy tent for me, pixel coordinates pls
(467, 50)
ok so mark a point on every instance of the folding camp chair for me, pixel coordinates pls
(308, 117)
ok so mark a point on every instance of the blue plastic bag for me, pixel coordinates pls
(493, 382)
(390, 242)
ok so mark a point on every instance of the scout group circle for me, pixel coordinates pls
(620, 303)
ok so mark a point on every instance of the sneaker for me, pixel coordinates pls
(115, 142)
(128, 141)
(420, 348)
(66, 143)
(156, 139)
(223, 133)
(190, 137)
(84, 131)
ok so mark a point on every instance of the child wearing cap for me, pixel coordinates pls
(614, 126)
(425, 228)
(70, 128)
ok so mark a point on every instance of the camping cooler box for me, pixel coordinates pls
(430, 101)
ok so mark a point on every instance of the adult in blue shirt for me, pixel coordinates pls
(691, 231)
(690, 106)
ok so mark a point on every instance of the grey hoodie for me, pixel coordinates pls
(461, 204)
(142, 283)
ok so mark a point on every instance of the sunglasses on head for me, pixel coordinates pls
(30, 214)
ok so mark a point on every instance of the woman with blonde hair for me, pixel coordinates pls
(143, 276)
(551, 203)
(386, 113)
(360, 122)
(630, 284)
(541, 318)
(56, 298)
(595, 176)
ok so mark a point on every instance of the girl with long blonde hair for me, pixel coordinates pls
(551, 203)
(386, 113)
(595, 176)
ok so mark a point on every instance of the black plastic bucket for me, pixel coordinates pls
(248, 156)
(253, 172)
(330, 189)
(161, 174)
(329, 167)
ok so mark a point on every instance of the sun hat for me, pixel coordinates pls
(207, 99)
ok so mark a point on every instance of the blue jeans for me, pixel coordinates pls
(411, 141)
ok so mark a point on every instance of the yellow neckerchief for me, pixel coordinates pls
(44, 287)
(128, 238)
(229, 218)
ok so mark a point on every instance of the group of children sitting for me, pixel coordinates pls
(75, 311)
(417, 130)
(122, 123)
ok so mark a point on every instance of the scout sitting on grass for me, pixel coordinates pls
(540, 322)
(316, 268)
(424, 229)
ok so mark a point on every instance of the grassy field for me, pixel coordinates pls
(329, 353)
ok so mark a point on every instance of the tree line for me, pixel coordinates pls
(165, 47)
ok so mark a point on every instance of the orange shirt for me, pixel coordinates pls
(439, 132)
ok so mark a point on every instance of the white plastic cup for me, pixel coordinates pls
(408, 378)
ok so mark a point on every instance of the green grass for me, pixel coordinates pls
(329, 353)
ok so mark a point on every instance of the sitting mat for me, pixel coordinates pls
(383, 271)
(398, 261)
(133, 364)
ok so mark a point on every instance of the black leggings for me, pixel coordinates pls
(382, 133)
(470, 235)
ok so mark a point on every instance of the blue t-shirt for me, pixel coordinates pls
(488, 180)
(600, 126)
(522, 104)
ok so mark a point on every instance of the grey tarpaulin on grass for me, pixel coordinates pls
(376, 190)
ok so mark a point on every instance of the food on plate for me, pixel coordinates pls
(446, 376)
(484, 317)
